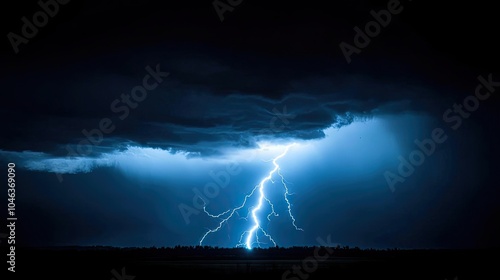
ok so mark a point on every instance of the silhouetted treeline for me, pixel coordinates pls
(208, 252)
(101, 262)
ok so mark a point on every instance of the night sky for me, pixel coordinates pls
(119, 114)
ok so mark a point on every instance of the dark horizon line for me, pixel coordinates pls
(176, 247)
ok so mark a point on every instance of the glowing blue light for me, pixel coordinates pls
(256, 227)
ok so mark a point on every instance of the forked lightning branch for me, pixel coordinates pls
(250, 237)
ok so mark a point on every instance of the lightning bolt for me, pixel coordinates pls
(256, 227)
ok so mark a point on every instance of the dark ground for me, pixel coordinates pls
(239, 263)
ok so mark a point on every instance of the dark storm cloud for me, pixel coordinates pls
(227, 84)
(199, 106)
